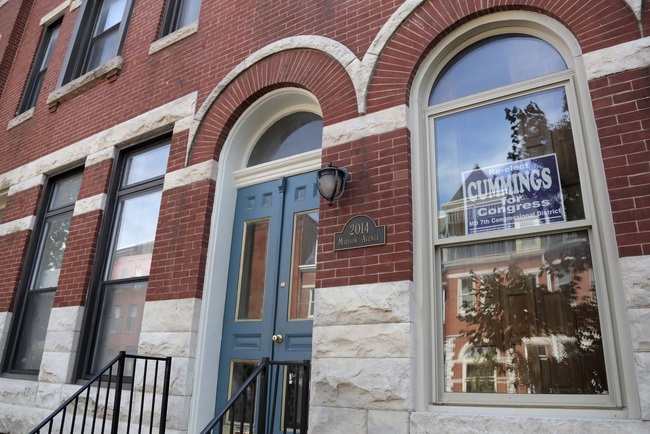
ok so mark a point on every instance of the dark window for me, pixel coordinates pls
(99, 35)
(41, 62)
(35, 304)
(125, 271)
(180, 13)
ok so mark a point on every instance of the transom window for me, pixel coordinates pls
(510, 198)
(293, 134)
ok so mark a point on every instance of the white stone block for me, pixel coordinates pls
(640, 328)
(171, 315)
(374, 340)
(56, 367)
(167, 344)
(636, 280)
(65, 319)
(60, 342)
(332, 420)
(363, 304)
(388, 422)
(19, 392)
(20, 419)
(642, 362)
(381, 384)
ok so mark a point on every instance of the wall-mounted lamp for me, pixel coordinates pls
(331, 182)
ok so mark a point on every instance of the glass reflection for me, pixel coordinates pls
(32, 338)
(51, 256)
(527, 320)
(65, 192)
(303, 266)
(243, 410)
(145, 165)
(250, 300)
(118, 330)
(495, 62)
(293, 134)
(138, 218)
(509, 155)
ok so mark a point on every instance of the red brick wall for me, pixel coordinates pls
(81, 245)
(622, 109)
(380, 184)
(379, 187)
(13, 16)
(180, 251)
(13, 247)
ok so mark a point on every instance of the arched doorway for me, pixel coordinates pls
(272, 258)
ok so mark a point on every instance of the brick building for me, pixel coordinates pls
(158, 166)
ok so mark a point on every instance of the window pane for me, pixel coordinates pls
(498, 165)
(188, 12)
(293, 134)
(102, 49)
(32, 337)
(240, 371)
(55, 235)
(136, 222)
(110, 14)
(303, 265)
(117, 330)
(51, 40)
(495, 62)
(146, 165)
(65, 192)
(534, 322)
(250, 301)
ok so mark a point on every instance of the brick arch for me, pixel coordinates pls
(302, 68)
(596, 24)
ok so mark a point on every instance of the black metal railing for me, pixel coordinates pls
(130, 393)
(261, 406)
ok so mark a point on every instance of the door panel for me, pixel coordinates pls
(271, 277)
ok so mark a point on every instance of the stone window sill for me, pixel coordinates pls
(108, 71)
(21, 118)
(174, 37)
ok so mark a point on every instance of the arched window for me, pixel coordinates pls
(513, 215)
(293, 134)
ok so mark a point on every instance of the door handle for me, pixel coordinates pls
(277, 339)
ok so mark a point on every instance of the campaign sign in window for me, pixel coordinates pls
(515, 194)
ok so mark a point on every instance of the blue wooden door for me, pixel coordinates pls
(271, 279)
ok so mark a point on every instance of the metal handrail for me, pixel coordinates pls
(265, 401)
(119, 383)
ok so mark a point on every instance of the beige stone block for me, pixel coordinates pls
(378, 303)
(167, 344)
(640, 328)
(636, 280)
(333, 420)
(375, 340)
(388, 422)
(171, 315)
(381, 384)
(642, 362)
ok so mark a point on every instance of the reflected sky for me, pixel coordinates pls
(482, 137)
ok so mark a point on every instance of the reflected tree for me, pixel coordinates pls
(548, 333)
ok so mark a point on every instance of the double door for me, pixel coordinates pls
(270, 292)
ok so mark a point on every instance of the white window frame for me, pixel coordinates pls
(622, 400)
